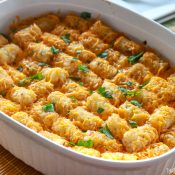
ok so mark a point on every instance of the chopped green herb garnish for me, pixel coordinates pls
(100, 110)
(85, 143)
(78, 52)
(134, 58)
(129, 83)
(3, 93)
(133, 123)
(74, 59)
(83, 68)
(91, 91)
(20, 68)
(105, 130)
(144, 84)
(75, 78)
(73, 98)
(129, 93)
(81, 84)
(85, 15)
(136, 103)
(72, 143)
(54, 50)
(38, 76)
(66, 38)
(103, 55)
(48, 107)
(102, 91)
(42, 64)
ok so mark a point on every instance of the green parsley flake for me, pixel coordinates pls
(38, 76)
(3, 93)
(133, 123)
(72, 143)
(54, 50)
(48, 107)
(83, 68)
(134, 58)
(78, 52)
(85, 15)
(129, 93)
(66, 38)
(105, 130)
(91, 91)
(144, 84)
(75, 78)
(103, 55)
(73, 98)
(136, 103)
(129, 83)
(100, 110)
(20, 68)
(102, 91)
(85, 143)
(81, 84)
(74, 59)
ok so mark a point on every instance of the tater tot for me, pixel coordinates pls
(117, 59)
(8, 107)
(41, 88)
(56, 76)
(53, 40)
(129, 111)
(96, 102)
(40, 52)
(67, 62)
(73, 21)
(27, 120)
(6, 81)
(156, 65)
(65, 128)
(168, 137)
(15, 74)
(47, 22)
(77, 49)
(63, 104)
(29, 67)
(138, 139)
(153, 150)
(29, 34)
(162, 88)
(46, 118)
(62, 30)
(117, 126)
(102, 68)
(102, 143)
(162, 118)
(84, 119)
(126, 46)
(90, 79)
(118, 156)
(22, 96)
(104, 32)
(87, 151)
(9, 53)
(71, 88)
(91, 42)
(117, 95)
(139, 73)
(54, 137)
(3, 40)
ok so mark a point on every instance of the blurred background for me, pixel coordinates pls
(162, 11)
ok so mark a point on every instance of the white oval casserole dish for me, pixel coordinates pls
(50, 158)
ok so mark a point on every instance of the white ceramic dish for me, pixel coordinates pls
(50, 158)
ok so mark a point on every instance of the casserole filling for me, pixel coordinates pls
(84, 85)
